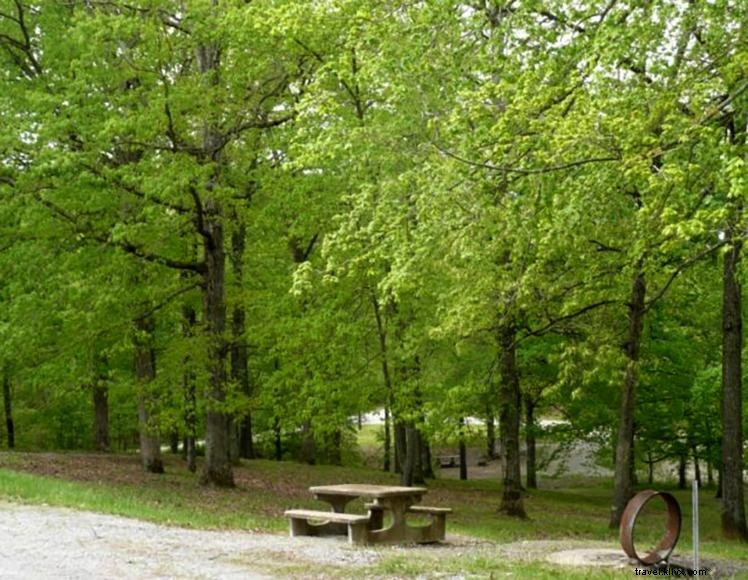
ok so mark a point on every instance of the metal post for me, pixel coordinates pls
(695, 522)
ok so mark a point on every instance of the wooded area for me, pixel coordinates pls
(247, 222)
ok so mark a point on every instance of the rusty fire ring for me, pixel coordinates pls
(666, 545)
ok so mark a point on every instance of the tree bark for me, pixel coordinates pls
(8, 406)
(145, 373)
(174, 442)
(210, 223)
(411, 473)
(100, 399)
(335, 447)
(218, 468)
(682, 463)
(463, 452)
(387, 379)
(387, 438)
(278, 440)
(189, 319)
(100, 394)
(530, 459)
(733, 503)
(308, 447)
(400, 446)
(650, 468)
(623, 487)
(239, 349)
(490, 434)
(510, 401)
(427, 467)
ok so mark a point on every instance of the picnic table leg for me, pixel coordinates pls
(400, 531)
(300, 527)
(337, 503)
(376, 516)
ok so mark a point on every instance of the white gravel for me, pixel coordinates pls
(40, 542)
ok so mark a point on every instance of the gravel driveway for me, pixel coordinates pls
(43, 542)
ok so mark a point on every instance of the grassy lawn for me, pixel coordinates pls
(116, 484)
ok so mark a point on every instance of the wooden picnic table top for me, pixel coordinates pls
(367, 490)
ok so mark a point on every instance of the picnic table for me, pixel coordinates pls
(362, 529)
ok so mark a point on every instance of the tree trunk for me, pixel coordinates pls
(531, 475)
(239, 350)
(246, 442)
(145, 373)
(233, 441)
(682, 463)
(387, 438)
(650, 468)
(278, 440)
(463, 452)
(335, 453)
(490, 434)
(308, 447)
(189, 319)
(509, 395)
(8, 406)
(210, 222)
(100, 392)
(190, 421)
(411, 472)
(733, 506)
(400, 446)
(426, 465)
(623, 487)
(218, 468)
(382, 336)
(174, 442)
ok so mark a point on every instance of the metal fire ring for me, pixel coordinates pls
(667, 543)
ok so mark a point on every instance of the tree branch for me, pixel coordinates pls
(199, 214)
(601, 247)
(87, 231)
(310, 247)
(130, 248)
(135, 191)
(689, 262)
(28, 49)
(545, 328)
(159, 305)
(527, 171)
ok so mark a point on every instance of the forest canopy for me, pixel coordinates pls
(244, 223)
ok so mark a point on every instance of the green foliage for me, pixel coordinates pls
(410, 177)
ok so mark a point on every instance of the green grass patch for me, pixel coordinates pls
(153, 504)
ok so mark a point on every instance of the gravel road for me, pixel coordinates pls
(40, 542)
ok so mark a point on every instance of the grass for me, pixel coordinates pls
(115, 484)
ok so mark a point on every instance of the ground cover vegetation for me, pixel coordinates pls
(232, 226)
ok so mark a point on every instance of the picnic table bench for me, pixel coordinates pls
(369, 529)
